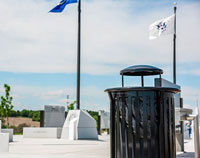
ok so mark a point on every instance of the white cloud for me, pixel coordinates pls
(92, 98)
(191, 96)
(52, 94)
(196, 72)
(35, 97)
(114, 34)
(190, 91)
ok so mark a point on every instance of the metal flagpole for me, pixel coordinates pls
(174, 49)
(78, 57)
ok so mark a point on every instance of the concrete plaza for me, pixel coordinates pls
(58, 148)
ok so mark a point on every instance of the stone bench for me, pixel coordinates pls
(4, 141)
(42, 132)
(10, 132)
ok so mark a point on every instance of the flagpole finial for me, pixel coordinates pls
(175, 4)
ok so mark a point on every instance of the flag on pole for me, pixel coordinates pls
(162, 27)
(61, 6)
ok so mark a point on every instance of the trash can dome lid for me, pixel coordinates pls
(141, 70)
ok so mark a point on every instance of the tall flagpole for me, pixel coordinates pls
(78, 57)
(174, 49)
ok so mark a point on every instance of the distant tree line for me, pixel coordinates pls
(35, 115)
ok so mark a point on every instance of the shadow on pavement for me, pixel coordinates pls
(187, 154)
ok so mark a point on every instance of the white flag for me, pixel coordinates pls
(162, 27)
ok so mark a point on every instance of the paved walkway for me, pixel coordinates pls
(57, 148)
(189, 149)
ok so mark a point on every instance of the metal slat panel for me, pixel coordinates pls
(141, 125)
(170, 128)
(123, 126)
(166, 127)
(148, 105)
(130, 126)
(120, 127)
(134, 126)
(173, 129)
(137, 139)
(152, 108)
(126, 124)
(157, 104)
(118, 150)
(161, 125)
(145, 108)
(112, 125)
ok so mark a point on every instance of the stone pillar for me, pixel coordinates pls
(4, 142)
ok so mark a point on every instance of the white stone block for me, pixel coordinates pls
(42, 132)
(4, 142)
(105, 119)
(10, 132)
(54, 116)
(79, 125)
(72, 129)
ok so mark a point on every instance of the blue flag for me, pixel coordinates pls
(61, 6)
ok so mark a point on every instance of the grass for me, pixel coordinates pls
(18, 133)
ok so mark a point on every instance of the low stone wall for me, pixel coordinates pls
(42, 132)
(10, 132)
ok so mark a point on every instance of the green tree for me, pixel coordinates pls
(6, 104)
(24, 113)
(36, 116)
(71, 106)
(2, 112)
(13, 113)
(30, 115)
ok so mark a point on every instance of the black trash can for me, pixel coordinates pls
(142, 118)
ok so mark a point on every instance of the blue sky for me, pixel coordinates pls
(38, 50)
